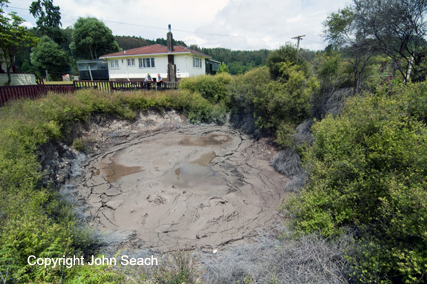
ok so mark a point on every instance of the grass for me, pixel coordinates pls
(58, 82)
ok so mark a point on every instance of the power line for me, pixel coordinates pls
(299, 38)
(183, 31)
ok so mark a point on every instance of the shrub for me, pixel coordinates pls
(368, 171)
(219, 113)
(81, 144)
(244, 88)
(212, 88)
(285, 102)
(286, 53)
(95, 274)
(179, 269)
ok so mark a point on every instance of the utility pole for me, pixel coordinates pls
(298, 38)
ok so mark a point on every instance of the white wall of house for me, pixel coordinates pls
(184, 67)
(126, 71)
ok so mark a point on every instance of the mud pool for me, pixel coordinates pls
(196, 187)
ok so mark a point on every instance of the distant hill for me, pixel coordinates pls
(129, 42)
(238, 61)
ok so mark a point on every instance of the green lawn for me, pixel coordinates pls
(58, 82)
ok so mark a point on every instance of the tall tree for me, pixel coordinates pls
(342, 31)
(48, 55)
(286, 53)
(12, 37)
(48, 19)
(91, 38)
(398, 29)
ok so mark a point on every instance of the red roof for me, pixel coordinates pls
(154, 49)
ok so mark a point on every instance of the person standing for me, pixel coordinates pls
(159, 82)
(148, 81)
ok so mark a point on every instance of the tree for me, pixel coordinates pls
(286, 53)
(13, 36)
(48, 19)
(343, 32)
(91, 39)
(398, 29)
(223, 68)
(50, 56)
(128, 42)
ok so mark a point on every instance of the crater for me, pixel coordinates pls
(197, 187)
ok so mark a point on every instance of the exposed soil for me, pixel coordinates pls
(175, 185)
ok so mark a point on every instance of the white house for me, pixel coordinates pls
(171, 62)
(138, 62)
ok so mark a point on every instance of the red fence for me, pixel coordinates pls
(8, 93)
(124, 86)
(58, 89)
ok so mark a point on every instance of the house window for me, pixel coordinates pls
(197, 62)
(131, 62)
(114, 64)
(146, 63)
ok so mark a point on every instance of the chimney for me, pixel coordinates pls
(171, 64)
(170, 39)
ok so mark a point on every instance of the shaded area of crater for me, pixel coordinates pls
(195, 187)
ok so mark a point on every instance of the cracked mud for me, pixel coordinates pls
(197, 187)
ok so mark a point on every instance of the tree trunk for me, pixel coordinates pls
(9, 67)
(408, 73)
(9, 78)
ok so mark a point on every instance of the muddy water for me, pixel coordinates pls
(197, 187)
(113, 171)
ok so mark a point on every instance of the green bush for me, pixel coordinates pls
(219, 113)
(278, 106)
(95, 274)
(81, 144)
(368, 171)
(179, 269)
(286, 53)
(196, 108)
(285, 101)
(243, 89)
(212, 88)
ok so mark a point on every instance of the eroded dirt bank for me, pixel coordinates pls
(191, 186)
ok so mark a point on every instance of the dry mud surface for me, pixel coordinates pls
(193, 187)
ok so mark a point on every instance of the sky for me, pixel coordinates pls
(233, 24)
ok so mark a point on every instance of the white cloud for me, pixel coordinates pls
(235, 24)
(268, 24)
(27, 25)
